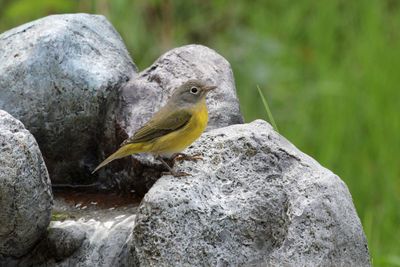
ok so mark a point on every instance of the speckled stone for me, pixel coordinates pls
(25, 191)
(59, 76)
(254, 200)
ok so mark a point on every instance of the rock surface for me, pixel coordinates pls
(255, 200)
(59, 75)
(25, 191)
(146, 93)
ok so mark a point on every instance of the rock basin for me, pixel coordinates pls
(254, 199)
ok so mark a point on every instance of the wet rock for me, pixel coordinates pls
(59, 76)
(25, 191)
(64, 240)
(255, 200)
(146, 93)
(105, 243)
(58, 244)
(87, 229)
(84, 243)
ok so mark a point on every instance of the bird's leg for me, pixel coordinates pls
(183, 156)
(171, 171)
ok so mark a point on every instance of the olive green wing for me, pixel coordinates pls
(161, 124)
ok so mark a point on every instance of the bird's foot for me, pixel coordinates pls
(176, 174)
(182, 157)
(171, 171)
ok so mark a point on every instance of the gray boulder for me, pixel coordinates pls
(59, 75)
(25, 191)
(149, 90)
(255, 200)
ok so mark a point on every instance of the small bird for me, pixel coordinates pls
(173, 128)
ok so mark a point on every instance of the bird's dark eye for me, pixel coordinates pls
(194, 90)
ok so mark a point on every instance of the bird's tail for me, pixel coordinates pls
(124, 151)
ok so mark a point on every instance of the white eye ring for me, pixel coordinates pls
(194, 90)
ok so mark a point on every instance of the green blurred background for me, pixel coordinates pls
(330, 71)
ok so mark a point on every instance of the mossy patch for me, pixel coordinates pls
(59, 216)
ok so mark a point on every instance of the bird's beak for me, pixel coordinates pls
(209, 88)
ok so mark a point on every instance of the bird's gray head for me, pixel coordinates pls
(191, 92)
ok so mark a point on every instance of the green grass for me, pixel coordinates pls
(330, 70)
(267, 109)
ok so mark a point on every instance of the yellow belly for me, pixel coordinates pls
(180, 139)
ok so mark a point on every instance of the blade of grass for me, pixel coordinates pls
(269, 113)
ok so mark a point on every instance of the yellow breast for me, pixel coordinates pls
(180, 139)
